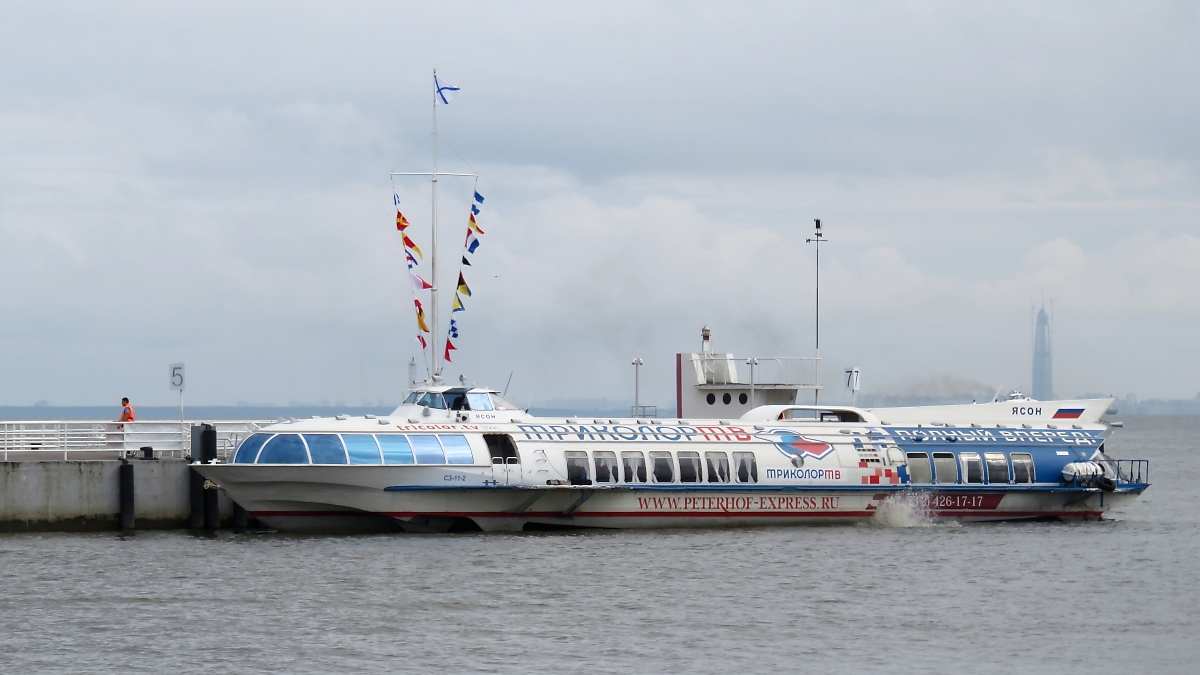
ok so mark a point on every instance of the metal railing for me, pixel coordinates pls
(799, 371)
(643, 411)
(63, 440)
(1133, 470)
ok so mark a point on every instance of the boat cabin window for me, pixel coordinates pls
(502, 448)
(284, 449)
(458, 449)
(479, 401)
(606, 466)
(1022, 464)
(689, 466)
(396, 449)
(718, 467)
(997, 467)
(919, 470)
(577, 467)
(945, 467)
(459, 399)
(662, 466)
(633, 465)
(432, 400)
(412, 398)
(427, 449)
(247, 452)
(500, 404)
(972, 467)
(746, 467)
(820, 415)
(362, 449)
(325, 448)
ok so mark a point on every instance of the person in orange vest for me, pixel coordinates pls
(126, 411)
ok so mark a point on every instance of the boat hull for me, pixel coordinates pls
(348, 498)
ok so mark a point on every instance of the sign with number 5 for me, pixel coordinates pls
(177, 377)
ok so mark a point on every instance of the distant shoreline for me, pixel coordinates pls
(47, 413)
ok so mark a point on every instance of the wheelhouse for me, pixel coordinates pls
(458, 398)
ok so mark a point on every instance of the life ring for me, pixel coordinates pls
(1105, 483)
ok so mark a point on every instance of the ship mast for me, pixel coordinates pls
(433, 278)
(817, 238)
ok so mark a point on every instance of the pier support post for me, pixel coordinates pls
(196, 483)
(125, 490)
(208, 453)
(205, 508)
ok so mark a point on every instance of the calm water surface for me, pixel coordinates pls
(1120, 594)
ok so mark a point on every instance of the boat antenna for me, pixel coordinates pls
(506, 385)
(817, 238)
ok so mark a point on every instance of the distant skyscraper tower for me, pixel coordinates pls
(1043, 387)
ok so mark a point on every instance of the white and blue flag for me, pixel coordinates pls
(445, 90)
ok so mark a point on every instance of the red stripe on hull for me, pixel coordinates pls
(674, 514)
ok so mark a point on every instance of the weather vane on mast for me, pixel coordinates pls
(817, 238)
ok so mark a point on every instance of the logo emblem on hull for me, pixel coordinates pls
(799, 447)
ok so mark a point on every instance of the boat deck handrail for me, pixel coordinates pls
(1133, 470)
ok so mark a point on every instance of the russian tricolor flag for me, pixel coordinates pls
(1068, 413)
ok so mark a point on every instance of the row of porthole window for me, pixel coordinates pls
(354, 449)
(662, 468)
(726, 399)
(994, 467)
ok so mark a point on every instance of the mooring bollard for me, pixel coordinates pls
(147, 452)
(125, 490)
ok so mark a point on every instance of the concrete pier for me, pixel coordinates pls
(85, 495)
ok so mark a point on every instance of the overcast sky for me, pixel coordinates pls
(208, 183)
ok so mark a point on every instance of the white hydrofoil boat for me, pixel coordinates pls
(457, 458)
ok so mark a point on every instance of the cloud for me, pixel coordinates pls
(210, 184)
